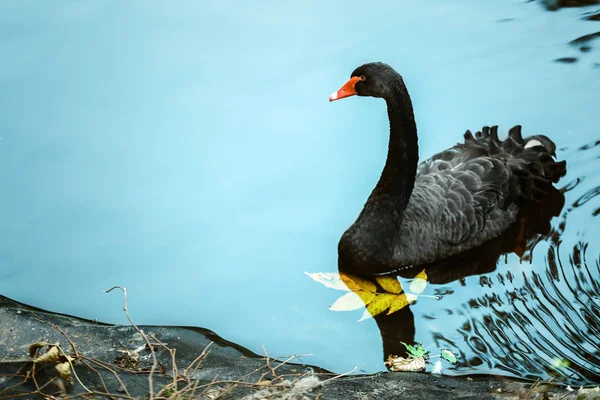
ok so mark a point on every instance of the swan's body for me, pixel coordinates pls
(452, 202)
(462, 197)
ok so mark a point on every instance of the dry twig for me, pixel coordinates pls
(141, 332)
(182, 384)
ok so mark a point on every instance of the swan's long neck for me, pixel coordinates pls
(398, 176)
(368, 245)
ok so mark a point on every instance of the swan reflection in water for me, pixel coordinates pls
(535, 331)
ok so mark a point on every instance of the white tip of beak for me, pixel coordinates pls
(333, 96)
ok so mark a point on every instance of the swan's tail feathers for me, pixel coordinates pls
(532, 160)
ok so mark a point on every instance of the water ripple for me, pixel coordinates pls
(545, 324)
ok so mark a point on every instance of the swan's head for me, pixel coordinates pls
(373, 79)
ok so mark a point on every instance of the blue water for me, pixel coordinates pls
(188, 152)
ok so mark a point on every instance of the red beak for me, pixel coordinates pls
(345, 91)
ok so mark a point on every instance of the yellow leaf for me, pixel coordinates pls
(389, 284)
(352, 301)
(366, 297)
(64, 370)
(380, 303)
(419, 283)
(34, 347)
(421, 275)
(330, 279)
(398, 304)
(355, 283)
(51, 355)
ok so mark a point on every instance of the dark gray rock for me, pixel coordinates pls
(21, 326)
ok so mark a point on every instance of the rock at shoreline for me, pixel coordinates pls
(21, 326)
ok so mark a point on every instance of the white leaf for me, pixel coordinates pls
(348, 302)
(411, 297)
(330, 279)
(366, 315)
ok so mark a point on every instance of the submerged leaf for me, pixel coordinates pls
(419, 283)
(366, 297)
(352, 301)
(399, 303)
(448, 356)
(402, 364)
(390, 284)
(355, 283)
(417, 351)
(330, 279)
(379, 304)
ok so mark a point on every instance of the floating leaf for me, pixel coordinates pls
(330, 279)
(419, 283)
(411, 297)
(390, 284)
(399, 303)
(52, 355)
(352, 301)
(355, 283)
(416, 352)
(379, 304)
(64, 370)
(406, 364)
(421, 275)
(366, 315)
(448, 356)
(366, 297)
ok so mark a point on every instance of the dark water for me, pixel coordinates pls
(188, 152)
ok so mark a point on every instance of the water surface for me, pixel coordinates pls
(188, 152)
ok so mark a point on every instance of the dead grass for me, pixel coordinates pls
(265, 382)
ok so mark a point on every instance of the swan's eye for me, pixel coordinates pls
(363, 78)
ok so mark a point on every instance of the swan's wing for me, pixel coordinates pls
(465, 189)
(471, 193)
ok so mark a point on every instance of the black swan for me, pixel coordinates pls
(450, 203)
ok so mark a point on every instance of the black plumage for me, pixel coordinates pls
(450, 203)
